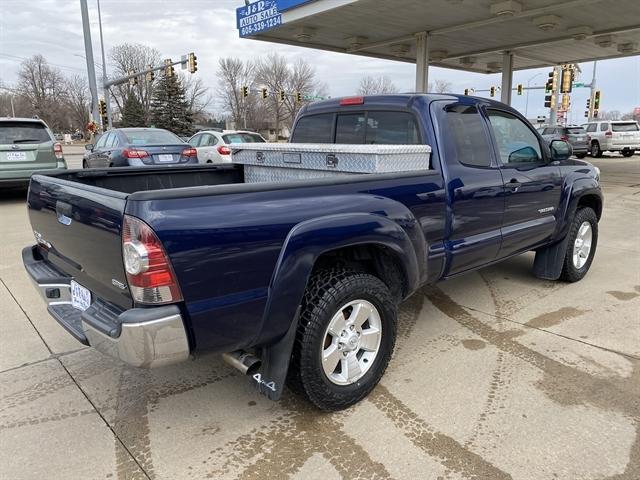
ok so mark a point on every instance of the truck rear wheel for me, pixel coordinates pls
(595, 150)
(581, 247)
(345, 338)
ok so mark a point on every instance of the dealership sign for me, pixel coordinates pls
(263, 15)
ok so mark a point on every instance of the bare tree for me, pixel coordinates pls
(440, 86)
(302, 80)
(272, 73)
(133, 57)
(78, 101)
(45, 89)
(233, 74)
(374, 85)
(197, 94)
(609, 115)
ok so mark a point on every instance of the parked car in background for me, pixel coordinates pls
(613, 136)
(139, 147)
(575, 135)
(212, 146)
(27, 145)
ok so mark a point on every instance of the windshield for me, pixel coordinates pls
(151, 137)
(242, 138)
(576, 130)
(625, 127)
(23, 132)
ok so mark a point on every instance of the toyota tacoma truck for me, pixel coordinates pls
(297, 278)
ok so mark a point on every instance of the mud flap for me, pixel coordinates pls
(270, 378)
(550, 260)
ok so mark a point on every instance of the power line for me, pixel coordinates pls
(16, 58)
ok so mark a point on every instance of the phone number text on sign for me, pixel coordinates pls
(258, 26)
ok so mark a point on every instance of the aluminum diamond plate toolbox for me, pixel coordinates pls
(259, 174)
(333, 158)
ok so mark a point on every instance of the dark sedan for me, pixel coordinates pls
(576, 136)
(138, 147)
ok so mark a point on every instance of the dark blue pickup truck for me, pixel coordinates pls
(299, 280)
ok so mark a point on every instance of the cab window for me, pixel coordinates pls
(516, 142)
(314, 129)
(464, 131)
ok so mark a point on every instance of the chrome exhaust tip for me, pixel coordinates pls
(246, 362)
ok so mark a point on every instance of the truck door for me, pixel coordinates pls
(474, 186)
(532, 183)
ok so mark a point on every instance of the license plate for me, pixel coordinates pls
(579, 139)
(165, 158)
(80, 296)
(16, 156)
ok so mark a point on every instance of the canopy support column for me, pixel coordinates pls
(507, 78)
(422, 62)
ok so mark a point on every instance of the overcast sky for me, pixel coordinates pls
(53, 28)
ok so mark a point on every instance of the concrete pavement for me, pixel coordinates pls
(496, 375)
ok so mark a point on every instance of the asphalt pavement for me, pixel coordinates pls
(496, 375)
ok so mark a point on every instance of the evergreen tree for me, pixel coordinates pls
(169, 107)
(133, 113)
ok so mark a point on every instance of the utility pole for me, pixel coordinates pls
(553, 110)
(592, 91)
(88, 49)
(105, 89)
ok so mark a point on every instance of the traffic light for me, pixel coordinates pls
(466, 91)
(596, 100)
(282, 95)
(245, 91)
(298, 97)
(588, 103)
(595, 114)
(132, 80)
(192, 63)
(520, 88)
(586, 114)
(168, 68)
(492, 91)
(264, 92)
(566, 81)
(552, 82)
(150, 76)
(565, 101)
(102, 107)
(550, 101)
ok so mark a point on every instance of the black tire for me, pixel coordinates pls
(570, 273)
(627, 153)
(326, 293)
(84, 164)
(595, 150)
(581, 155)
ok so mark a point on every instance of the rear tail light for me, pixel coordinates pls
(57, 149)
(150, 276)
(565, 138)
(189, 152)
(224, 150)
(608, 133)
(352, 101)
(134, 153)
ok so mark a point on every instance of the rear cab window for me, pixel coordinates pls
(16, 132)
(625, 127)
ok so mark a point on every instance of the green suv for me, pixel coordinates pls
(26, 146)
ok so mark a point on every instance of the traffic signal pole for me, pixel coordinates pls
(553, 109)
(105, 90)
(88, 49)
(592, 90)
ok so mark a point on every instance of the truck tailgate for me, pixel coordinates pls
(78, 228)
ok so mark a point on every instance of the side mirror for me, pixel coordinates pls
(524, 155)
(89, 146)
(560, 150)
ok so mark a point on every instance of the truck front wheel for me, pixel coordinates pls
(581, 247)
(345, 338)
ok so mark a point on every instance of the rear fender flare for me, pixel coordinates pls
(572, 193)
(308, 240)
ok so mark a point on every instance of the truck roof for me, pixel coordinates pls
(401, 100)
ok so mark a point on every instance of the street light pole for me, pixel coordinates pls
(104, 71)
(88, 49)
(526, 105)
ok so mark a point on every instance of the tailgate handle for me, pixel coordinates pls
(64, 212)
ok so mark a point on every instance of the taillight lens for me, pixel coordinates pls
(224, 150)
(57, 149)
(134, 153)
(189, 152)
(608, 133)
(150, 276)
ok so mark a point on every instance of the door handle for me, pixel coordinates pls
(514, 185)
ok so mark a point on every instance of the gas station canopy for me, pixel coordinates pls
(485, 36)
